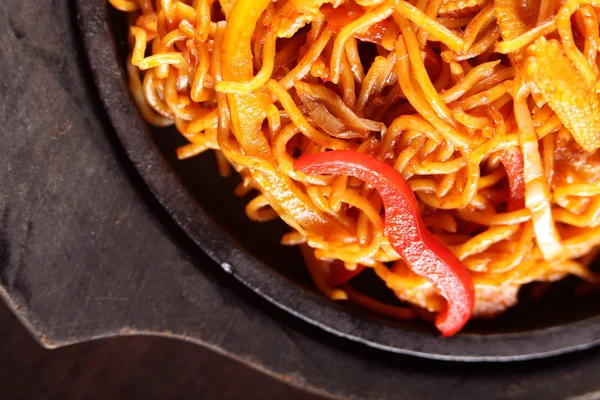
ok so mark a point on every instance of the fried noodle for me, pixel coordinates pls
(489, 110)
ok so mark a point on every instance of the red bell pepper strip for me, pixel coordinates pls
(404, 227)
(513, 164)
(338, 274)
(337, 18)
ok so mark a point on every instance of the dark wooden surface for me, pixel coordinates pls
(86, 252)
(126, 368)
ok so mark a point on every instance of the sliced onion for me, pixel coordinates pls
(327, 121)
(337, 107)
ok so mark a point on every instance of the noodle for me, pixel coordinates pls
(489, 110)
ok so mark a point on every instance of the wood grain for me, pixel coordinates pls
(126, 368)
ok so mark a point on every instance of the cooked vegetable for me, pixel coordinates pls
(405, 229)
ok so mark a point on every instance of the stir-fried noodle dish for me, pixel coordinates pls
(450, 146)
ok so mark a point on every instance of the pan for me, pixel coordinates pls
(203, 205)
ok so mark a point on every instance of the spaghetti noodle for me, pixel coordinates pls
(488, 110)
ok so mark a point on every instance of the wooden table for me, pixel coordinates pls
(126, 368)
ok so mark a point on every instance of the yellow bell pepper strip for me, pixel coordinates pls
(247, 116)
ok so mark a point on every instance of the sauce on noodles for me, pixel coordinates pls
(487, 108)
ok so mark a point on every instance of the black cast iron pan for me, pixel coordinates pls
(203, 205)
